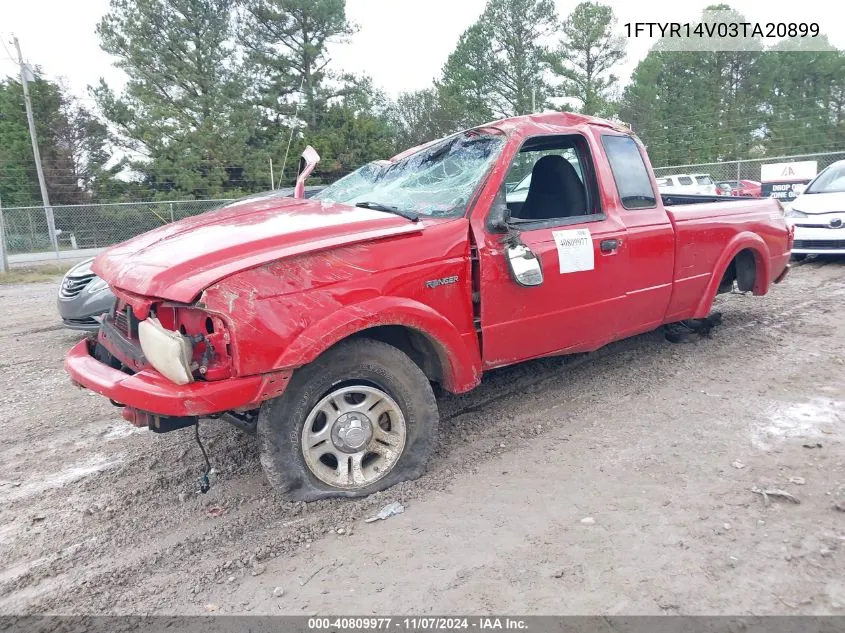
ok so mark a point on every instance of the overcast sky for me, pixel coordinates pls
(401, 44)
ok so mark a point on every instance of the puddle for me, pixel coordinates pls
(77, 471)
(812, 420)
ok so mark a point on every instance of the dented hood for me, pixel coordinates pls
(178, 261)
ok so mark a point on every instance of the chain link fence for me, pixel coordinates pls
(746, 169)
(95, 226)
(92, 226)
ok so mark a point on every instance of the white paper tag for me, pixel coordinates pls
(574, 250)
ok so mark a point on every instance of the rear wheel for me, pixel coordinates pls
(359, 419)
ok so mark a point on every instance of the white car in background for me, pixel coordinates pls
(818, 215)
(688, 184)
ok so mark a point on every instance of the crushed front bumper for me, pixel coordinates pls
(149, 391)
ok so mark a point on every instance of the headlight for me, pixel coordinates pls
(794, 213)
(82, 268)
(97, 285)
(167, 351)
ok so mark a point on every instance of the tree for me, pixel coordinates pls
(588, 52)
(72, 144)
(287, 42)
(466, 80)
(805, 98)
(424, 115)
(500, 64)
(183, 108)
(352, 131)
(696, 106)
(517, 29)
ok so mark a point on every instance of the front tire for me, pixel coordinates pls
(798, 257)
(359, 419)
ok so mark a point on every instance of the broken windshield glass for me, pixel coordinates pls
(439, 180)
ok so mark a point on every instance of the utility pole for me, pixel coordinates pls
(4, 261)
(533, 100)
(45, 198)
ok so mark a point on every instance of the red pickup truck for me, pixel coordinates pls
(323, 323)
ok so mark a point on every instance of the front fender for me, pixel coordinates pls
(459, 356)
(739, 242)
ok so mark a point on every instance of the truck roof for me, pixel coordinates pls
(530, 124)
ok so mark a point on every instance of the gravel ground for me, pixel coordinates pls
(617, 483)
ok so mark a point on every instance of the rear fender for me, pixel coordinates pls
(460, 362)
(762, 261)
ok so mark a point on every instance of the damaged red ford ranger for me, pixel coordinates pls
(323, 323)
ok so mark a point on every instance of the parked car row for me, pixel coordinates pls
(704, 185)
(688, 184)
(741, 188)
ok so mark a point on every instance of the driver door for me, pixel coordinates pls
(582, 254)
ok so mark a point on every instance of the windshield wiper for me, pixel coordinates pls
(377, 206)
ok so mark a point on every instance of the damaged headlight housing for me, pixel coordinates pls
(169, 352)
(97, 285)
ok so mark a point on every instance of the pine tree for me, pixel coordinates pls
(587, 54)
(499, 65)
(183, 107)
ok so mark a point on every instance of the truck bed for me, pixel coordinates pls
(703, 234)
(678, 199)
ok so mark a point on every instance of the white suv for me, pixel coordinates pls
(689, 184)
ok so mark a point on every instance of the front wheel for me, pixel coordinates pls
(360, 418)
(798, 257)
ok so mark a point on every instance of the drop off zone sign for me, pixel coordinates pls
(785, 181)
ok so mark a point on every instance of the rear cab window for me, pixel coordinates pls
(633, 181)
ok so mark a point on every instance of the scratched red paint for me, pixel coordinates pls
(285, 279)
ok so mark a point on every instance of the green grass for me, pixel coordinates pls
(34, 273)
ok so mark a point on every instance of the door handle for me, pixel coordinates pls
(608, 246)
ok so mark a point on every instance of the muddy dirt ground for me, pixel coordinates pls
(618, 483)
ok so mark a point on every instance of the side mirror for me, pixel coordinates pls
(500, 215)
(307, 162)
(526, 268)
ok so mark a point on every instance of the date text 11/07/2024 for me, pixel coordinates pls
(722, 29)
(417, 624)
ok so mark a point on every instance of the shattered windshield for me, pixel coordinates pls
(439, 180)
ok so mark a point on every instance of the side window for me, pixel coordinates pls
(704, 180)
(684, 180)
(629, 172)
(555, 180)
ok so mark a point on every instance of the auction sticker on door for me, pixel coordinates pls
(574, 250)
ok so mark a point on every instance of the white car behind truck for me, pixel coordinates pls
(688, 184)
(818, 215)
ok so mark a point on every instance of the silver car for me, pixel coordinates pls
(83, 298)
